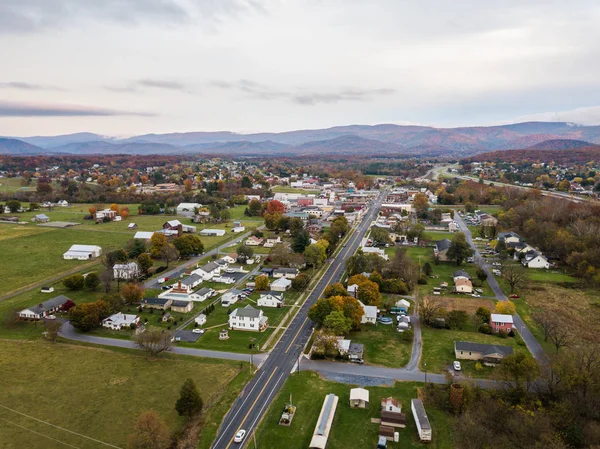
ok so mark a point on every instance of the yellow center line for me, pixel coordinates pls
(295, 336)
(253, 404)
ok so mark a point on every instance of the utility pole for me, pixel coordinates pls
(425, 365)
(252, 339)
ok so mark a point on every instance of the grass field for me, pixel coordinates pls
(99, 393)
(15, 185)
(437, 235)
(352, 428)
(383, 345)
(288, 189)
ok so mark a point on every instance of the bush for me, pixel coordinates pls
(160, 269)
(74, 282)
(92, 280)
(502, 334)
(422, 280)
(485, 329)
(511, 333)
(519, 340)
(478, 366)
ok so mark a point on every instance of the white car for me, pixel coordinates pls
(51, 317)
(456, 365)
(239, 437)
(476, 295)
(198, 331)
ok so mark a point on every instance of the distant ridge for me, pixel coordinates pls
(560, 144)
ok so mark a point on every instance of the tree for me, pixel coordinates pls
(92, 281)
(505, 307)
(124, 213)
(115, 301)
(144, 261)
(401, 267)
(517, 368)
(279, 254)
(336, 289)
(337, 323)
(261, 282)
(457, 319)
(315, 255)
(420, 202)
(135, 247)
(350, 307)
(300, 282)
(110, 258)
(459, 249)
(189, 403)
(481, 274)
(275, 206)
(52, 328)
(169, 253)
(74, 282)
(88, 316)
(157, 242)
(429, 310)
(245, 252)
(483, 314)
(546, 320)
(92, 210)
(514, 276)
(188, 245)
(380, 235)
(153, 341)
(368, 293)
(14, 206)
(254, 208)
(560, 335)
(106, 277)
(427, 269)
(149, 432)
(300, 241)
(132, 293)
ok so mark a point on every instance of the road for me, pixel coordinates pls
(255, 398)
(532, 344)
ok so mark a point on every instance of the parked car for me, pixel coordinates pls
(476, 295)
(478, 290)
(359, 361)
(51, 317)
(514, 296)
(239, 437)
(456, 365)
(167, 287)
(198, 331)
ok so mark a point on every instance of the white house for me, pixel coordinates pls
(44, 309)
(271, 242)
(253, 241)
(281, 285)
(127, 271)
(200, 320)
(289, 273)
(63, 203)
(352, 290)
(248, 319)
(270, 299)
(370, 314)
(231, 297)
(82, 252)
(534, 259)
(120, 321)
(208, 271)
(461, 274)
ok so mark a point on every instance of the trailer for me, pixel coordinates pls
(421, 420)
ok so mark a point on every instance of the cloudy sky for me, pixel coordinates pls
(124, 67)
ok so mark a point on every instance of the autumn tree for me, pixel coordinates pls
(261, 282)
(188, 245)
(92, 210)
(459, 249)
(144, 262)
(149, 432)
(51, 329)
(518, 369)
(189, 403)
(89, 315)
(514, 276)
(157, 242)
(337, 323)
(153, 341)
(429, 309)
(169, 253)
(279, 254)
(92, 281)
(483, 314)
(349, 306)
(132, 293)
(336, 289)
(315, 255)
(560, 334)
(420, 202)
(505, 307)
(275, 206)
(124, 213)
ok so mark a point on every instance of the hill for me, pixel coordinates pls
(580, 155)
(561, 144)
(18, 147)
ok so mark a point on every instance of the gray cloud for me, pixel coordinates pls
(304, 97)
(13, 109)
(143, 84)
(27, 86)
(27, 16)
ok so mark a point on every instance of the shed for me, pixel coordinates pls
(359, 398)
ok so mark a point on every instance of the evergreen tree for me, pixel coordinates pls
(189, 402)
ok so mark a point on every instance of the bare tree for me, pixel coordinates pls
(560, 335)
(153, 341)
(106, 278)
(169, 253)
(429, 309)
(514, 276)
(546, 320)
(52, 328)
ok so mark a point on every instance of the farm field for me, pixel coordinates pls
(352, 428)
(78, 380)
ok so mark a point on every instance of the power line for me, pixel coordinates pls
(38, 433)
(60, 428)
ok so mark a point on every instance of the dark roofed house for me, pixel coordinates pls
(289, 273)
(181, 306)
(461, 274)
(44, 309)
(440, 250)
(157, 303)
(355, 352)
(393, 419)
(491, 355)
(509, 237)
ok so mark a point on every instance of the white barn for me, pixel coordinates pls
(82, 252)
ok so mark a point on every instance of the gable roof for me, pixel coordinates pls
(501, 318)
(191, 279)
(180, 303)
(278, 295)
(461, 282)
(443, 245)
(461, 273)
(210, 266)
(483, 348)
(203, 291)
(247, 312)
(155, 301)
(53, 303)
(503, 235)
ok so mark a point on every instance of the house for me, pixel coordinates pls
(391, 404)
(191, 282)
(200, 320)
(63, 203)
(203, 294)
(44, 309)
(47, 289)
(533, 259)
(488, 220)
(120, 321)
(343, 345)
(41, 218)
(491, 355)
(463, 285)
(213, 232)
(421, 419)
(156, 303)
(369, 315)
(132, 226)
(440, 250)
(172, 227)
(281, 285)
(230, 258)
(271, 242)
(167, 317)
(453, 227)
(324, 422)
(237, 227)
(187, 209)
(82, 252)
(231, 297)
(182, 306)
(461, 274)
(270, 299)
(105, 215)
(353, 290)
(359, 398)
(393, 419)
(288, 273)
(500, 322)
(208, 271)
(373, 250)
(143, 235)
(253, 241)
(509, 237)
(248, 319)
(127, 271)
(355, 352)
(267, 271)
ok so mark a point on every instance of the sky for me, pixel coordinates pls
(126, 67)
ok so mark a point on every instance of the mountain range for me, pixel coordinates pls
(383, 139)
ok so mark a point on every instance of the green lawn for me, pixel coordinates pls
(288, 189)
(352, 428)
(437, 235)
(438, 349)
(99, 393)
(15, 185)
(383, 345)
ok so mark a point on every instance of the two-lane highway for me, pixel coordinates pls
(253, 401)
